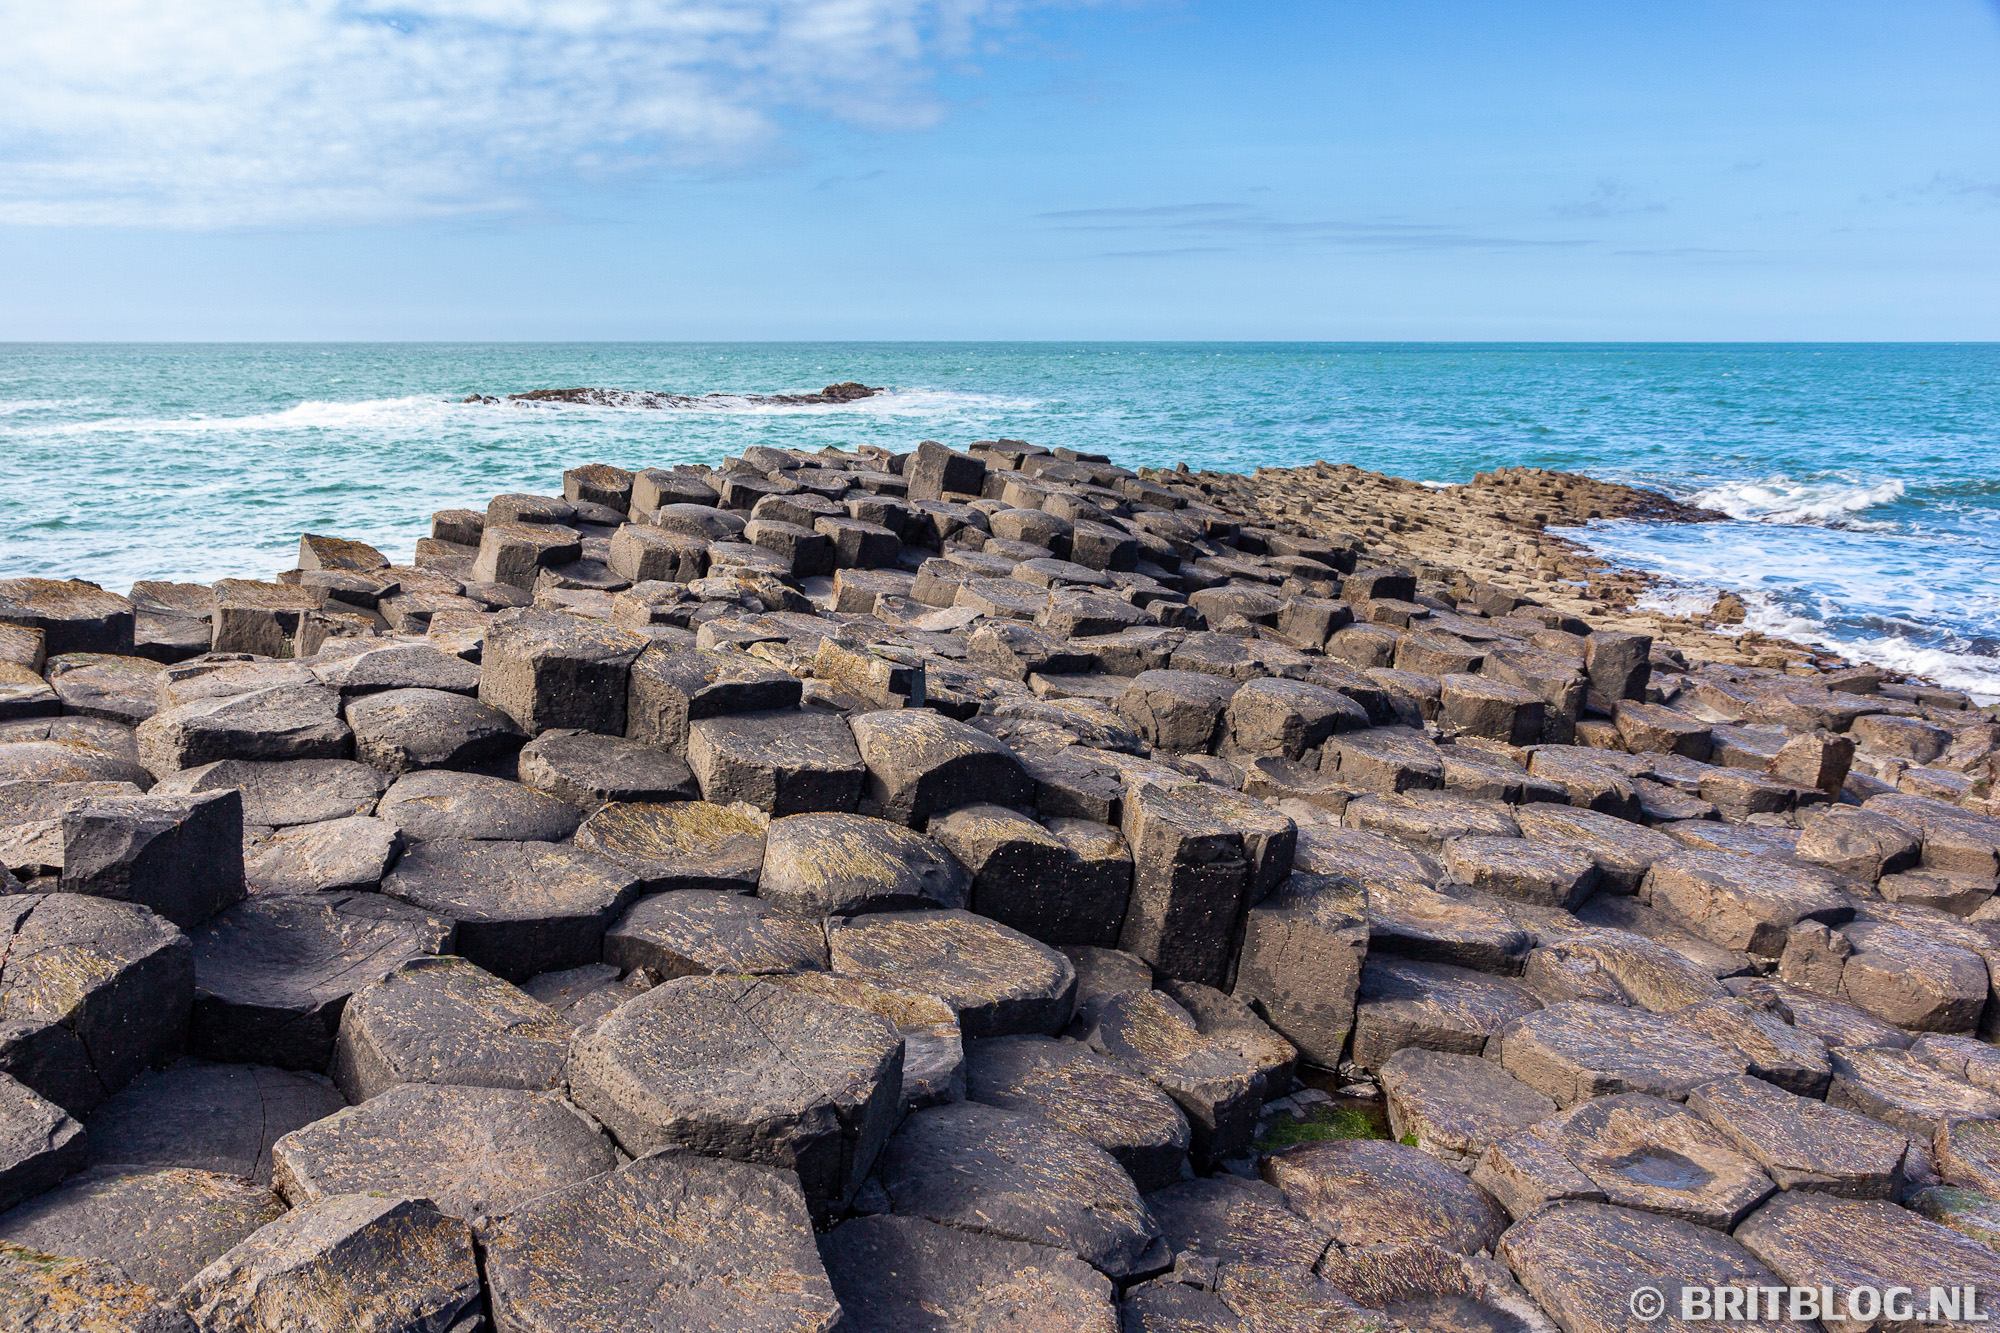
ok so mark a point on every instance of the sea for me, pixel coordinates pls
(1862, 481)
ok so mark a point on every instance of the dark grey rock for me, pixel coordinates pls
(1572, 1052)
(42, 1293)
(998, 980)
(1432, 1006)
(1300, 966)
(1228, 1219)
(933, 1049)
(443, 1020)
(283, 722)
(679, 844)
(826, 864)
(340, 855)
(785, 763)
(1815, 1240)
(181, 856)
(520, 907)
(590, 771)
(1094, 1096)
(278, 795)
(1658, 1157)
(549, 669)
(400, 666)
(430, 806)
(920, 763)
(208, 1117)
(694, 932)
(674, 686)
(905, 1273)
(404, 730)
(39, 1144)
(118, 689)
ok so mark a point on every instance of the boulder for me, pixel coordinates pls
(679, 844)
(584, 769)
(1370, 1192)
(272, 974)
(1228, 1219)
(920, 763)
(208, 1117)
(162, 1226)
(105, 685)
(1782, 1055)
(673, 686)
(278, 795)
(181, 856)
(60, 761)
(840, 864)
(998, 980)
(1181, 711)
(516, 553)
(1913, 979)
(784, 762)
(1454, 1106)
(283, 722)
(1300, 966)
(671, 1241)
(93, 991)
(520, 907)
(1491, 708)
(738, 1067)
(933, 1050)
(1219, 1080)
(694, 932)
(1286, 718)
(434, 805)
(1520, 870)
(547, 669)
(350, 1262)
(1094, 1096)
(340, 855)
(477, 1153)
(73, 616)
(443, 1020)
(1742, 902)
(1017, 1177)
(405, 730)
(907, 1273)
(1384, 759)
(1434, 1006)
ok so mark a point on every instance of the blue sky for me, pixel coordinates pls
(864, 169)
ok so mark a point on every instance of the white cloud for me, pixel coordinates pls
(202, 113)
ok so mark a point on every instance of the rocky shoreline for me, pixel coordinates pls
(975, 888)
(833, 395)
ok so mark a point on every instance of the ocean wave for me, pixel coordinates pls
(1782, 500)
(422, 410)
(13, 406)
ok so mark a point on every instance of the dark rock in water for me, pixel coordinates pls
(475, 1152)
(737, 1067)
(93, 991)
(45, 1293)
(1017, 1177)
(209, 1117)
(161, 1226)
(443, 1020)
(845, 392)
(908, 1273)
(669, 1242)
(272, 974)
(1096, 1097)
(39, 1144)
(356, 1261)
(520, 907)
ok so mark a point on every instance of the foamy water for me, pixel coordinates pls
(1861, 481)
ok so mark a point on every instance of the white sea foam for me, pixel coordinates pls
(11, 406)
(1781, 500)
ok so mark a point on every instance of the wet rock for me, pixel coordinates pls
(1017, 1177)
(434, 805)
(443, 1020)
(284, 722)
(1814, 1240)
(350, 1262)
(160, 1226)
(340, 855)
(1456, 1106)
(1743, 902)
(208, 1117)
(670, 1241)
(93, 991)
(272, 974)
(403, 731)
(1804, 1144)
(998, 980)
(785, 763)
(39, 1145)
(1301, 964)
(679, 844)
(520, 907)
(1779, 1053)
(73, 616)
(1585, 1261)
(907, 1273)
(1434, 1006)
(933, 1051)
(1652, 1155)
(181, 856)
(692, 932)
(1103, 1100)
(828, 864)
(475, 1152)
(1201, 856)
(1572, 1052)
(737, 1067)
(1900, 1090)
(1371, 1192)
(1181, 711)
(590, 771)
(45, 1293)
(278, 795)
(547, 669)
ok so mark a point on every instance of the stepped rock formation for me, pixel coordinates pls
(939, 890)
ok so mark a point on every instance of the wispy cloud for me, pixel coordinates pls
(1230, 226)
(200, 113)
(1607, 199)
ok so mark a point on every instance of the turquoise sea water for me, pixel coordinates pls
(1865, 478)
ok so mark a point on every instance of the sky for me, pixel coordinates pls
(999, 169)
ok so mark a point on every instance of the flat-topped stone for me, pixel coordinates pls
(438, 804)
(1370, 1192)
(281, 794)
(73, 616)
(834, 863)
(1456, 1106)
(1805, 1144)
(208, 1117)
(443, 1020)
(1572, 1052)
(40, 1143)
(404, 730)
(590, 771)
(782, 762)
(679, 844)
(933, 1049)
(692, 932)
(520, 907)
(909, 1273)
(1092, 1095)
(998, 980)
